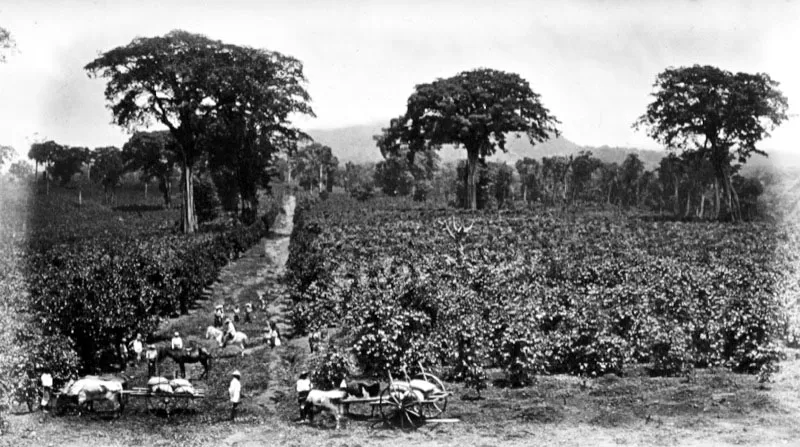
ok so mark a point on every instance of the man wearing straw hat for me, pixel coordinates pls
(235, 392)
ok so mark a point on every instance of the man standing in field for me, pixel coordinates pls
(235, 393)
(177, 341)
(303, 387)
(152, 358)
(47, 389)
(136, 347)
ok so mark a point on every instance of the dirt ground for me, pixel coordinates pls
(712, 408)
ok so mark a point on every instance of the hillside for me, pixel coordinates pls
(356, 144)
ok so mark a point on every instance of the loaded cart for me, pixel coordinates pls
(166, 397)
(409, 403)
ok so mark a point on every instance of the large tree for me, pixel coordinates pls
(186, 82)
(474, 109)
(719, 114)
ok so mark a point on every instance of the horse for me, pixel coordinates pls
(239, 338)
(91, 389)
(215, 333)
(318, 400)
(189, 355)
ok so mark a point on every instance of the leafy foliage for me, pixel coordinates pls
(540, 293)
(718, 115)
(474, 109)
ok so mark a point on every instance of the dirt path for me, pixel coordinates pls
(259, 270)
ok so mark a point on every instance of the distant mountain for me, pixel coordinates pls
(356, 144)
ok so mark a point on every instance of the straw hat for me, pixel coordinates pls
(236, 373)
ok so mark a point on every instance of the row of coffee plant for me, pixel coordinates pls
(583, 293)
(95, 276)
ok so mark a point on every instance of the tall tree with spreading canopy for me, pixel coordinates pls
(719, 114)
(186, 81)
(473, 109)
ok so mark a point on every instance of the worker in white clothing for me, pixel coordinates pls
(235, 392)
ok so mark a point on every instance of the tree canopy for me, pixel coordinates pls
(716, 113)
(474, 109)
(6, 154)
(187, 82)
(6, 43)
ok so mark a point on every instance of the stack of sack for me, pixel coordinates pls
(159, 385)
(181, 386)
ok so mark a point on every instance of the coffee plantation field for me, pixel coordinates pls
(544, 291)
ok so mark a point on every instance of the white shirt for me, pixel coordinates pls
(231, 329)
(47, 380)
(137, 346)
(151, 354)
(235, 390)
(177, 343)
(303, 385)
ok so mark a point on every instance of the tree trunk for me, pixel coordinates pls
(145, 191)
(732, 197)
(320, 178)
(716, 199)
(676, 207)
(688, 209)
(472, 178)
(702, 206)
(166, 190)
(188, 217)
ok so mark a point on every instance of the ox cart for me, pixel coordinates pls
(158, 401)
(406, 404)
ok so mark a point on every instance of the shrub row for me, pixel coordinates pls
(579, 294)
(100, 291)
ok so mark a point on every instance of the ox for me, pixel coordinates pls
(319, 400)
(90, 389)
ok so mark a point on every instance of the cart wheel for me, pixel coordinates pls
(181, 404)
(437, 402)
(159, 403)
(401, 408)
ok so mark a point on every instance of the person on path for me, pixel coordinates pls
(123, 353)
(276, 335)
(235, 393)
(47, 389)
(152, 360)
(303, 387)
(236, 314)
(177, 341)
(230, 331)
(248, 310)
(137, 347)
(219, 315)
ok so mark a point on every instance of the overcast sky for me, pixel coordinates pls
(593, 62)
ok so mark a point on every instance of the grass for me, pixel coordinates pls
(715, 407)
